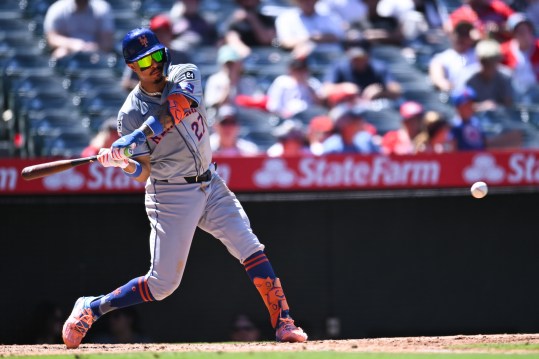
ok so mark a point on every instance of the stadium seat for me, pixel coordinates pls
(384, 120)
(24, 106)
(101, 101)
(35, 9)
(9, 9)
(43, 124)
(65, 144)
(74, 64)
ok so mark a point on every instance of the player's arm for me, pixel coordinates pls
(139, 169)
(154, 126)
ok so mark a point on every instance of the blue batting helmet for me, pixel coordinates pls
(138, 43)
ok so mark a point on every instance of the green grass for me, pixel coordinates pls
(300, 355)
(500, 346)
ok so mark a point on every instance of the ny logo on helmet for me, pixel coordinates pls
(143, 40)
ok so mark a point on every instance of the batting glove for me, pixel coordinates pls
(133, 139)
(108, 158)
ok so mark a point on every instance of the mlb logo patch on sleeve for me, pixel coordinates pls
(186, 86)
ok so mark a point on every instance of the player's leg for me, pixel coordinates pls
(226, 220)
(173, 225)
(88, 309)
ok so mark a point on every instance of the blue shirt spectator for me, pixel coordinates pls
(372, 78)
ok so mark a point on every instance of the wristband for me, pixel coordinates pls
(138, 170)
(154, 125)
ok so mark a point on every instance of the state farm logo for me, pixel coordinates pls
(348, 172)
(484, 167)
(70, 179)
(274, 172)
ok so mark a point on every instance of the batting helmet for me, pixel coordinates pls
(138, 43)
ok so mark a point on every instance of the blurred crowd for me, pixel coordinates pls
(484, 60)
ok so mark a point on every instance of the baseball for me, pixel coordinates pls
(479, 189)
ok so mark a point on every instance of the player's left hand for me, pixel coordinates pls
(131, 140)
(111, 158)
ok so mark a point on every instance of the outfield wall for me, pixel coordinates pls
(387, 264)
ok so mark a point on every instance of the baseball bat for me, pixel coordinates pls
(50, 168)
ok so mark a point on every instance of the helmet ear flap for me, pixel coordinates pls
(166, 64)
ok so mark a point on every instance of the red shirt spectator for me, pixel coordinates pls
(488, 16)
(400, 141)
(521, 53)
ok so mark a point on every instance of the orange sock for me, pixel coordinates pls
(273, 296)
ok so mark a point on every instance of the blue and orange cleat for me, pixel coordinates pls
(78, 323)
(288, 332)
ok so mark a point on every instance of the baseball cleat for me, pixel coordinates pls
(78, 323)
(288, 332)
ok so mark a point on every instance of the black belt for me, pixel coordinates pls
(205, 177)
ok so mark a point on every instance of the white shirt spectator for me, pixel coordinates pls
(294, 26)
(287, 97)
(88, 25)
(350, 11)
(454, 62)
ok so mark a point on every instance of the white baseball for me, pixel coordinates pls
(479, 189)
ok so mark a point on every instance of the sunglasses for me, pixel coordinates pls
(146, 61)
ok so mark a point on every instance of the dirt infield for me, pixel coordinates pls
(443, 344)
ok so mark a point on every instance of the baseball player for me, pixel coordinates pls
(163, 122)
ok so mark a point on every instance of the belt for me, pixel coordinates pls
(205, 177)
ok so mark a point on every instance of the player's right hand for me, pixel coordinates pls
(111, 158)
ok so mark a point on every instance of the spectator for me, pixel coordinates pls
(401, 141)
(343, 93)
(224, 85)
(378, 29)
(225, 140)
(249, 26)
(190, 27)
(319, 129)
(291, 140)
(294, 92)
(79, 26)
(107, 134)
(466, 132)
(369, 76)
(244, 330)
(490, 80)
(521, 55)
(417, 18)
(349, 12)
(350, 135)
(487, 16)
(162, 27)
(304, 24)
(445, 67)
(435, 136)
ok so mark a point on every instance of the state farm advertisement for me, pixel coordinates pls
(324, 173)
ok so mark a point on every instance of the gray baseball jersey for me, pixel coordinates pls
(175, 208)
(183, 150)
